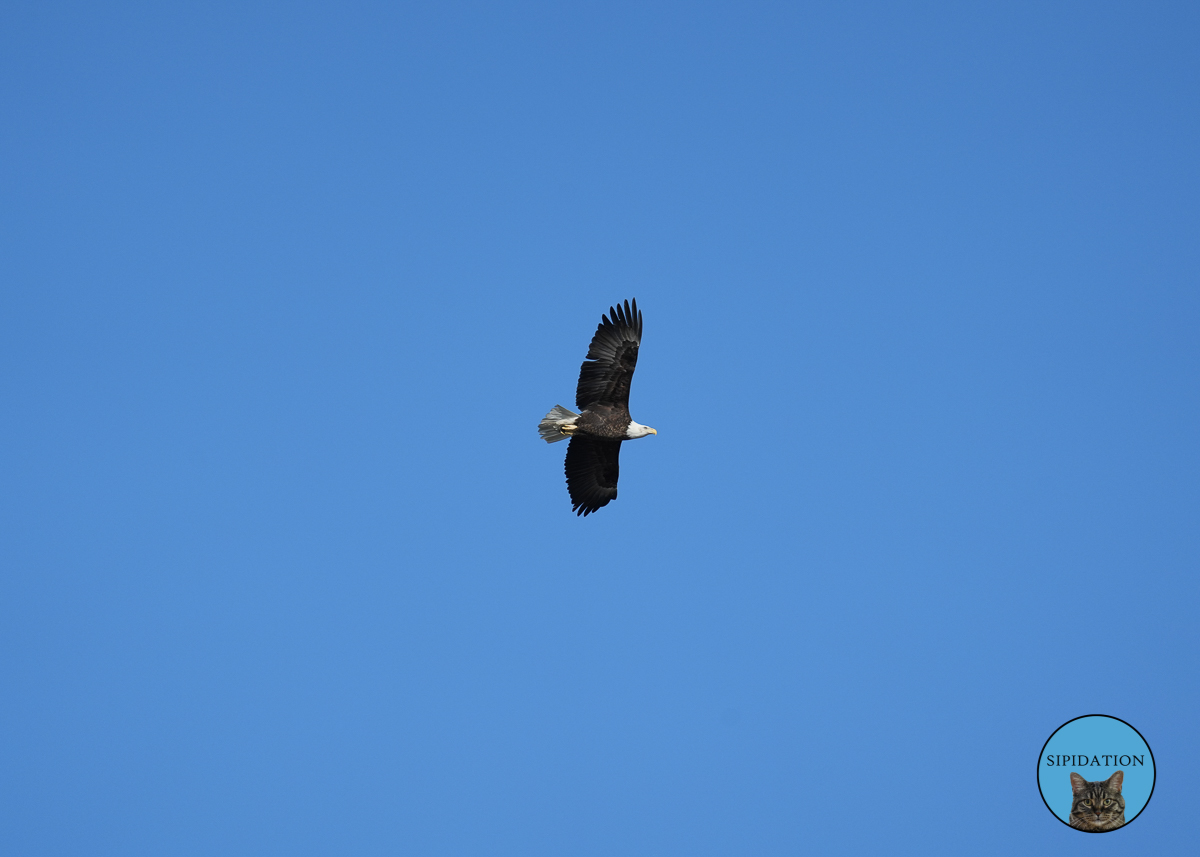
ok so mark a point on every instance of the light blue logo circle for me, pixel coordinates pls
(1095, 747)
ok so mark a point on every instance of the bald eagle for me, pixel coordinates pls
(603, 423)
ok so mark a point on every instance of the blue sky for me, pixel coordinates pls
(287, 287)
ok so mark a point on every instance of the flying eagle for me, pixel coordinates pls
(603, 423)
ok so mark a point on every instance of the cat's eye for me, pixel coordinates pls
(1087, 803)
(1107, 802)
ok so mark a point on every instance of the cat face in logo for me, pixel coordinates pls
(1097, 806)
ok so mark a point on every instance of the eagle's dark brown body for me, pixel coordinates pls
(603, 422)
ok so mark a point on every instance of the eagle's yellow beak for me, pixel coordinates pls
(652, 431)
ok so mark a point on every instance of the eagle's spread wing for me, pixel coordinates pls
(611, 358)
(591, 473)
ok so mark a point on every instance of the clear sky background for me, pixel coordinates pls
(287, 287)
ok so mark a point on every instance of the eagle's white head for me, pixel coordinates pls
(638, 430)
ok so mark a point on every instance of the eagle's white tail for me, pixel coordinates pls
(548, 427)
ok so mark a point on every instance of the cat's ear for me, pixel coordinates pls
(1077, 783)
(1114, 782)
